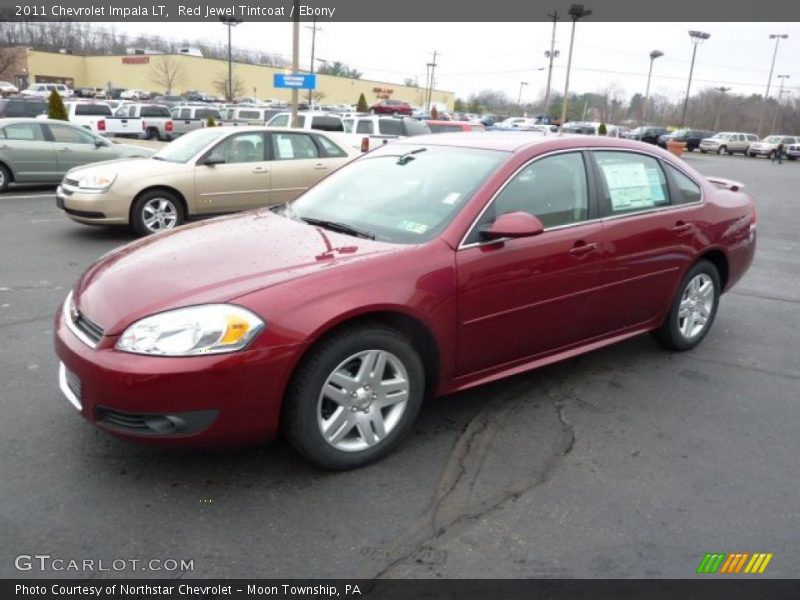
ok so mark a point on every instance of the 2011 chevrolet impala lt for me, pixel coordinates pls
(426, 267)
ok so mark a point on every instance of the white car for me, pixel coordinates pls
(131, 95)
(89, 115)
(7, 88)
(43, 90)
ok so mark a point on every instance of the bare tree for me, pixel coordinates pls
(236, 85)
(167, 72)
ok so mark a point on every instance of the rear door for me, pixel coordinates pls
(647, 239)
(75, 147)
(28, 153)
(297, 164)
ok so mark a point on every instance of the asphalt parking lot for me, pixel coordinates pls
(626, 462)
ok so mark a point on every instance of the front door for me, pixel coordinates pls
(525, 297)
(75, 147)
(297, 165)
(31, 157)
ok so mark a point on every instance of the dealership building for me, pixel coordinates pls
(146, 72)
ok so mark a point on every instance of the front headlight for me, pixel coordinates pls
(197, 330)
(96, 183)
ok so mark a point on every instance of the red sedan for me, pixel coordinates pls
(428, 266)
(391, 107)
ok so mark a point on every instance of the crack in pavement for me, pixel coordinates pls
(456, 501)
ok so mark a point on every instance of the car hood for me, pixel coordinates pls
(131, 151)
(764, 145)
(133, 166)
(211, 261)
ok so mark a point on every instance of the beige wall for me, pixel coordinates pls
(202, 73)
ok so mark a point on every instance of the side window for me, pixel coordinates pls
(293, 146)
(364, 127)
(330, 148)
(689, 190)
(240, 148)
(633, 182)
(70, 135)
(554, 189)
(390, 127)
(279, 121)
(24, 132)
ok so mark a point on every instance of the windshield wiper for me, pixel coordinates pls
(409, 156)
(340, 227)
(154, 157)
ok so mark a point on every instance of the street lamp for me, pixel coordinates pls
(522, 84)
(576, 11)
(780, 99)
(230, 22)
(653, 56)
(551, 55)
(697, 37)
(777, 37)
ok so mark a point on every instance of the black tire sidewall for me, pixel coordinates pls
(300, 415)
(674, 338)
(137, 221)
(6, 178)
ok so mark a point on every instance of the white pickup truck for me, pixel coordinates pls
(143, 121)
(90, 115)
(189, 118)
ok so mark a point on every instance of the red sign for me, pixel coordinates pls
(135, 60)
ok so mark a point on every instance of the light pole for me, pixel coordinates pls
(780, 99)
(230, 22)
(432, 66)
(697, 37)
(522, 84)
(314, 29)
(777, 37)
(722, 90)
(551, 55)
(576, 11)
(653, 56)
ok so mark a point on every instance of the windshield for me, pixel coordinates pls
(721, 136)
(773, 139)
(403, 194)
(187, 146)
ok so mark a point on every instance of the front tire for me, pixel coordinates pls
(354, 397)
(5, 178)
(156, 211)
(693, 308)
(722, 150)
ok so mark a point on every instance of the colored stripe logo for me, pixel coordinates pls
(733, 563)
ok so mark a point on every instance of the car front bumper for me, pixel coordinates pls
(199, 401)
(106, 208)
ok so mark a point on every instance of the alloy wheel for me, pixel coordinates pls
(696, 305)
(159, 214)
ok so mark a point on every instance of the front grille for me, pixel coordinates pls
(156, 424)
(91, 330)
(134, 423)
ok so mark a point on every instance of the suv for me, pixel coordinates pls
(728, 142)
(692, 137)
(391, 107)
(646, 134)
(793, 150)
(373, 131)
(769, 145)
(319, 120)
(23, 106)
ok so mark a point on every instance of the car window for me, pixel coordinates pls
(327, 124)
(390, 127)
(155, 111)
(633, 182)
(330, 148)
(689, 190)
(93, 110)
(205, 113)
(291, 146)
(28, 132)
(241, 148)
(554, 189)
(365, 127)
(414, 127)
(186, 113)
(249, 114)
(752, 138)
(443, 127)
(279, 121)
(70, 135)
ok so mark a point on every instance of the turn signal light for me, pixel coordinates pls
(365, 144)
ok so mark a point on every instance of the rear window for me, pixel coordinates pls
(414, 127)
(154, 111)
(205, 113)
(365, 127)
(390, 127)
(249, 114)
(327, 124)
(92, 110)
(443, 128)
(12, 108)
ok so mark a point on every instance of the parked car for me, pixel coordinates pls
(391, 107)
(321, 121)
(8, 89)
(371, 131)
(144, 121)
(90, 115)
(429, 266)
(43, 150)
(489, 120)
(189, 118)
(646, 134)
(692, 138)
(727, 142)
(793, 151)
(134, 95)
(41, 90)
(168, 101)
(579, 128)
(22, 106)
(452, 126)
(209, 171)
(769, 145)
(249, 115)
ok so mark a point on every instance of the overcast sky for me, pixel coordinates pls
(474, 56)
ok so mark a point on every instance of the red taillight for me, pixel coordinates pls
(168, 126)
(365, 144)
(101, 125)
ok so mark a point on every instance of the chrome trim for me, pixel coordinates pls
(65, 389)
(70, 322)
(463, 246)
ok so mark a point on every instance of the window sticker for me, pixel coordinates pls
(285, 148)
(451, 198)
(631, 186)
(412, 226)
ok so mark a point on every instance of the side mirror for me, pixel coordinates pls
(213, 159)
(512, 225)
(101, 143)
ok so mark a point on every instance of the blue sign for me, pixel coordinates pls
(295, 80)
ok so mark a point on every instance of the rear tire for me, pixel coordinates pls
(693, 309)
(5, 178)
(156, 211)
(152, 134)
(340, 411)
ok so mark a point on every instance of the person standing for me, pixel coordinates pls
(778, 155)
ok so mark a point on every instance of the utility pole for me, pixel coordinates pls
(576, 11)
(522, 84)
(722, 90)
(230, 22)
(295, 58)
(314, 29)
(780, 99)
(551, 54)
(432, 66)
(777, 37)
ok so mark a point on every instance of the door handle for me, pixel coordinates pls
(582, 248)
(66, 150)
(320, 167)
(682, 227)
(260, 170)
